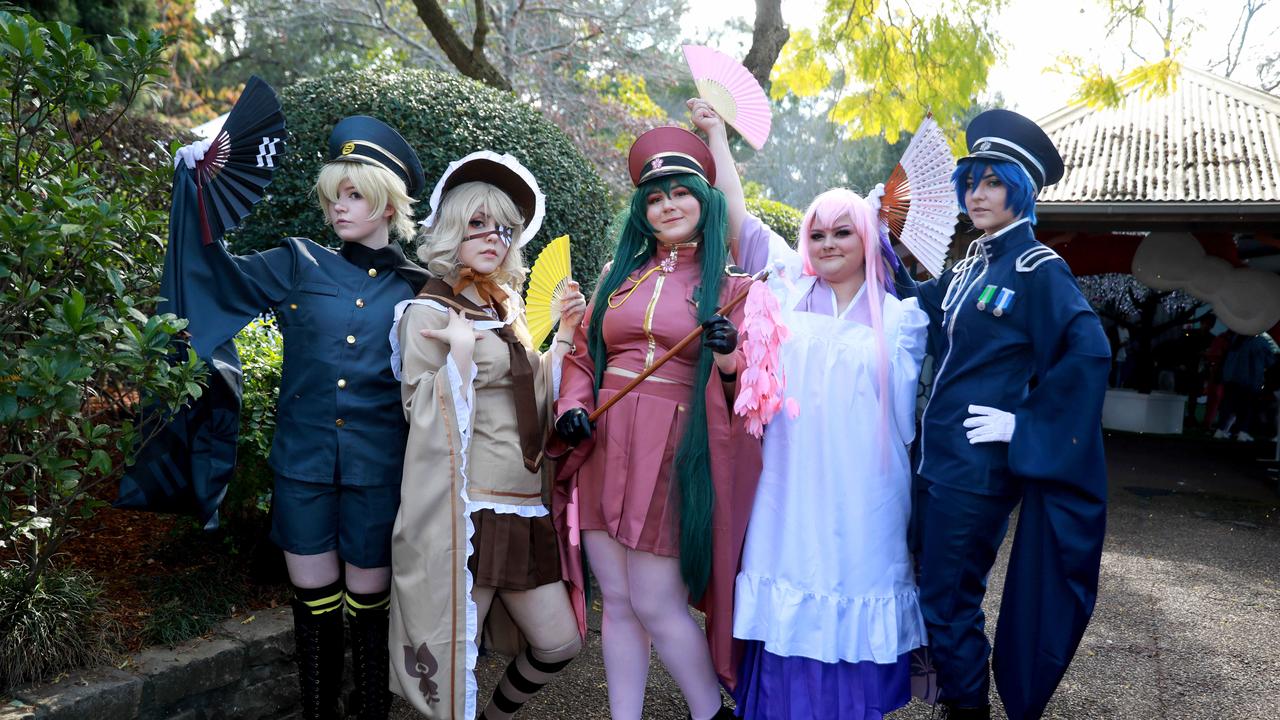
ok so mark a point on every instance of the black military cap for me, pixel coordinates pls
(1006, 135)
(363, 139)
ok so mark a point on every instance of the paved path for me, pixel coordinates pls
(1188, 618)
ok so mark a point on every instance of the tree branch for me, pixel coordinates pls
(469, 61)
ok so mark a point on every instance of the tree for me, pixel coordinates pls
(807, 155)
(96, 19)
(769, 35)
(80, 252)
(193, 89)
(469, 61)
(1156, 37)
(585, 64)
(886, 66)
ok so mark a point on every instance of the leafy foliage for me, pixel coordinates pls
(47, 629)
(98, 20)
(261, 349)
(79, 262)
(778, 217)
(444, 117)
(807, 154)
(889, 66)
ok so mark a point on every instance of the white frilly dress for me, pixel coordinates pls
(826, 596)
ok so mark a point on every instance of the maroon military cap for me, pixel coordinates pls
(670, 151)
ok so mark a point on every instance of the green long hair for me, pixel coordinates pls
(636, 244)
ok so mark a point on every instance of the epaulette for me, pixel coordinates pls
(1034, 258)
(735, 271)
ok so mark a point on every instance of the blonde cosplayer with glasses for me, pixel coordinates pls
(474, 549)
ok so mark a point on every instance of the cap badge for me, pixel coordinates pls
(348, 148)
(984, 146)
(657, 163)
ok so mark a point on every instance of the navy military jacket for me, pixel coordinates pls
(1018, 335)
(339, 417)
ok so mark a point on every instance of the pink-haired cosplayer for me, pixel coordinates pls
(826, 597)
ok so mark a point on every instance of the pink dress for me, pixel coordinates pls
(620, 481)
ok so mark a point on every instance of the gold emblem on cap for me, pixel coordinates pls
(348, 148)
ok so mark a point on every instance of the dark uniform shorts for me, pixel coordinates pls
(310, 518)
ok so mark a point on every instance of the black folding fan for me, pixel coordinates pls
(238, 165)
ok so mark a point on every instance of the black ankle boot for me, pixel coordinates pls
(370, 658)
(319, 644)
(723, 713)
(955, 712)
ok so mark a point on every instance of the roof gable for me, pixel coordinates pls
(1210, 140)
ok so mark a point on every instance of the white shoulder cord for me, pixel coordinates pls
(963, 270)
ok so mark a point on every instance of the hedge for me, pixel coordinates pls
(444, 117)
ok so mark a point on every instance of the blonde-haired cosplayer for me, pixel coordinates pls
(454, 224)
(332, 510)
(472, 530)
(380, 188)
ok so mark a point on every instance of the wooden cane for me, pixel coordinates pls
(675, 350)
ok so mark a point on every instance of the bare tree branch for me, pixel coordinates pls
(469, 61)
(1235, 46)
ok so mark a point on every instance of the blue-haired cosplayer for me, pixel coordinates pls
(1014, 417)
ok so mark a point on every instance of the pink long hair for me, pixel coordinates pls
(824, 212)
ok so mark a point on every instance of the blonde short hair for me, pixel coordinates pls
(439, 248)
(380, 186)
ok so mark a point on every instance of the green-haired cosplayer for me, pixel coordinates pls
(660, 489)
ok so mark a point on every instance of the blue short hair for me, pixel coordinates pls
(1020, 195)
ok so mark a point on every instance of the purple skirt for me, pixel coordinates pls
(772, 687)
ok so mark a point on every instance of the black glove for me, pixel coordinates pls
(574, 426)
(719, 335)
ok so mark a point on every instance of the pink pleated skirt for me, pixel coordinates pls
(625, 485)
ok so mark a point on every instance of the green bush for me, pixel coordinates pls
(779, 217)
(51, 628)
(261, 349)
(444, 117)
(80, 258)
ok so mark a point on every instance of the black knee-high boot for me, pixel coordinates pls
(370, 659)
(317, 628)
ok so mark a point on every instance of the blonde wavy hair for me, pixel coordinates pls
(439, 243)
(379, 186)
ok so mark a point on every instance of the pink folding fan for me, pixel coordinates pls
(732, 91)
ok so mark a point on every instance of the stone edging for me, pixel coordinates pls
(243, 669)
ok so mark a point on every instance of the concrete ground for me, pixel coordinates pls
(1188, 617)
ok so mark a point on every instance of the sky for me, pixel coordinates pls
(1036, 32)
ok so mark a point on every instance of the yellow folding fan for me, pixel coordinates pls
(547, 282)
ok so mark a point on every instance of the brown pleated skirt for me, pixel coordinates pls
(512, 552)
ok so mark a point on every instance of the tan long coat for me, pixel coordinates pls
(433, 618)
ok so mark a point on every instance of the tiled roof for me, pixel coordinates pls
(1210, 140)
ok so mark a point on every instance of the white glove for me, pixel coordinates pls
(989, 425)
(191, 154)
(874, 196)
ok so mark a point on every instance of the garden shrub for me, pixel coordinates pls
(50, 628)
(261, 349)
(778, 217)
(443, 117)
(80, 258)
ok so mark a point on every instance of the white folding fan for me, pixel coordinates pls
(919, 202)
(732, 91)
